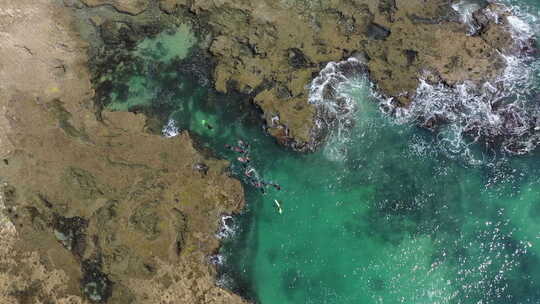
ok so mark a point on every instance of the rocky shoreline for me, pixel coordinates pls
(271, 52)
(96, 207)
(276, 49)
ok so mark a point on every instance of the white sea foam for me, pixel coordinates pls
(336, 110)
(217, 259)
(504, 112)
(466, 10)
(171, 129)
(227, 227)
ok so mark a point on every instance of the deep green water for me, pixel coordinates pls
(393, 219)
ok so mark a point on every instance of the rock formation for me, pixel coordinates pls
(273, 49)
(95, 210)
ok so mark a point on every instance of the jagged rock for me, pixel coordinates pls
(170, 6)
(132, 7)
(113, 32)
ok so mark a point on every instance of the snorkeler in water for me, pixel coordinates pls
(239, 150)
(249, 172)
(242, 144)
(258, 183)
(242, 148)
(243, 159)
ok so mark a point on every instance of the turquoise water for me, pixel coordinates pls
(385, 216)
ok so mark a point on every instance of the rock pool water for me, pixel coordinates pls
(384, 215)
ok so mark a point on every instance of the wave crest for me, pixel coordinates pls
(336, 110)
(504, 112)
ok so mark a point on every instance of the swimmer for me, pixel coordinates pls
(249, 172)
(260, 185)
(277, 186)
(239, 150)
(243, 160)
(242, 144)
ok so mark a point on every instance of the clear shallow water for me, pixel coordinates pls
(384, 216)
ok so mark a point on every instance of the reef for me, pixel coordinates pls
(273, 50)
(94, 207)
(98, 208)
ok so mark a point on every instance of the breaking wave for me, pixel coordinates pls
(170, 130)
(466, 9)
(503, 114)
(336, 110)
(227, 227)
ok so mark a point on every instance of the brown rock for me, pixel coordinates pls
(132, 7)
(97, 211)
(280, 47)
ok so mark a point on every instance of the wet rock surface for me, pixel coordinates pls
(132, 7)
(94, 208)
(277, 48)
(271, 51)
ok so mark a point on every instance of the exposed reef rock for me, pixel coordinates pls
(272, 50)
(275, 49)
(95, 210)
(132, 7)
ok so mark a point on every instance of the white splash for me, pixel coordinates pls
(504, 111)
(466, 10)
(335, 109)
(227, 227)
(217, 259)
(170, 129)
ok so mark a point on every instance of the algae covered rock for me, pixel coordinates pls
(132, 7)
(275, 49)
(94, 208)
(272, 50)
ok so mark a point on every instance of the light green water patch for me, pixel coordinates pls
(139, 80)
(138, 93)
(168, 45)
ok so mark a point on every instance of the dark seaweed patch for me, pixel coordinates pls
(71, 232)
(96, 286)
